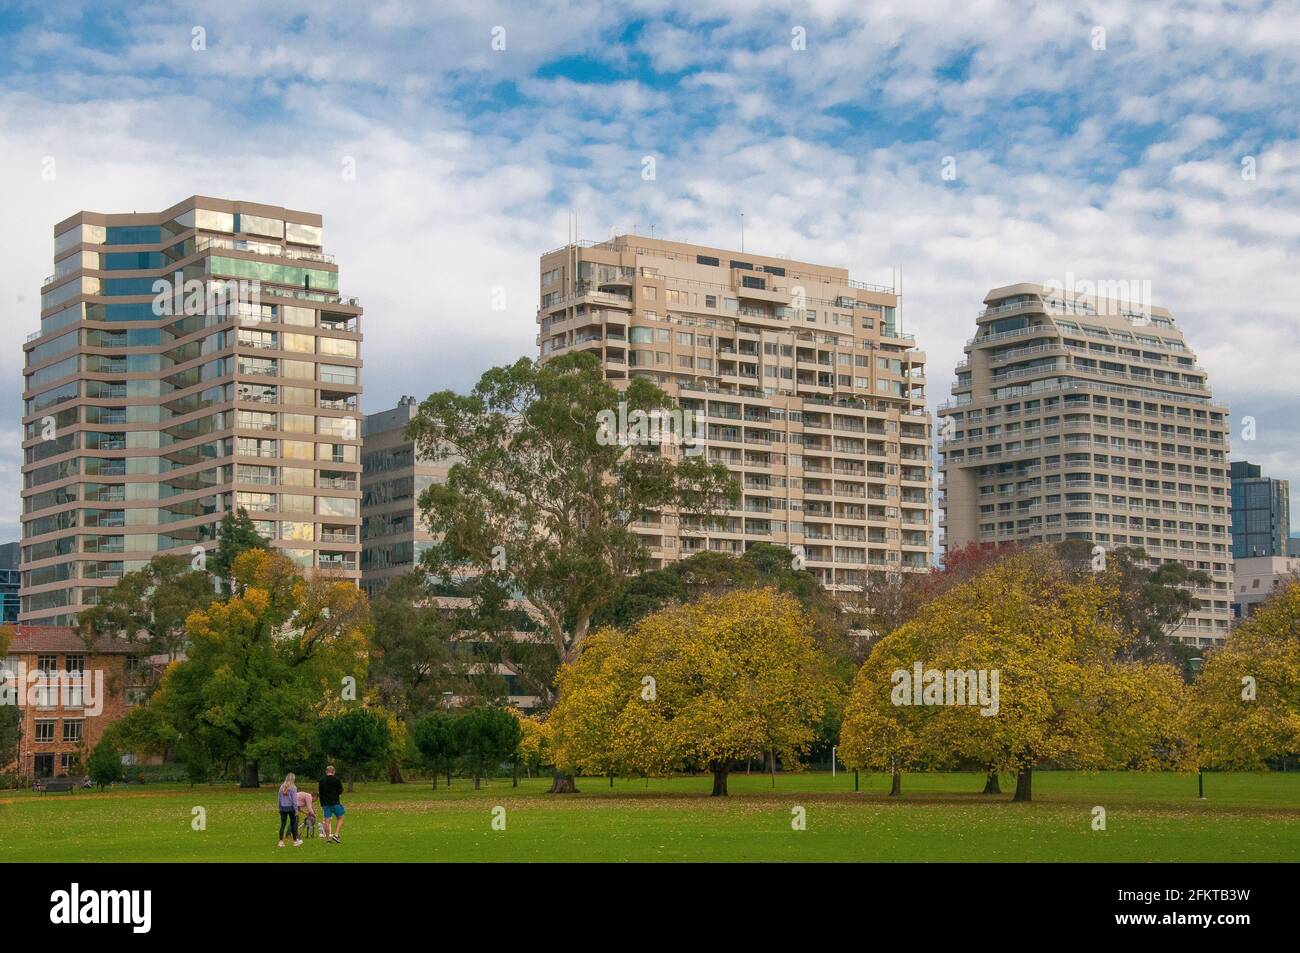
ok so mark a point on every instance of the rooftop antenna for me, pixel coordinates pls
(742, 229)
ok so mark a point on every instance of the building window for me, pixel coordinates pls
(44, 733)
(72, 729)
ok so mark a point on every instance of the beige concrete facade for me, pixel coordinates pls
(143, 427)
(810, 393)
(1087, 417)
(1257, 578)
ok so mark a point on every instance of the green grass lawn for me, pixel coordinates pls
(943, 817)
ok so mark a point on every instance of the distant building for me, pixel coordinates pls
(9, 583)
(1078, 417)
(1293, 546)
(146, 417)
(1257, 578)
(68, 695)
(1261, 512)
(392, 533)
(802, 381)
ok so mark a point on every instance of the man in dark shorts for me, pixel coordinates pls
(331, 790)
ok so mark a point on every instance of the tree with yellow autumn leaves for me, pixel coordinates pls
(1246, 708)
(1040, 651)
(705, 684)
(261, 666)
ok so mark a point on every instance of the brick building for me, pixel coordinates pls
(68, 695)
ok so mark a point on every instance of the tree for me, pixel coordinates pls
(1246, 704)
(539, 502)
(11, 721)
(763, 565)
(486, 736)
(435, 738)
(412, 658)
(893, 598)
(1149, 603)
(534, 742)
(11, 733)
(150, 606)
(723, 679)
(262, 666)
(357, 739)
(876, 735)
(1062, 693)
(237, 534)
(105, 763)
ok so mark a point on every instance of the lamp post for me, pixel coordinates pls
(1195, 664)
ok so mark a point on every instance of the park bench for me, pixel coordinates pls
(65, 785)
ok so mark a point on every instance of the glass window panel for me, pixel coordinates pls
(336, 506)
(345, 348)
(303, 317)
(298, 450)
(299, 423)
(297, 476)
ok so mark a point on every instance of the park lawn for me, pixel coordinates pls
(940, 817)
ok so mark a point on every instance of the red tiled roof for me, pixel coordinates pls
(62, 638)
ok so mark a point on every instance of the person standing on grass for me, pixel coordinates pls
(288, 801)
(331, 791)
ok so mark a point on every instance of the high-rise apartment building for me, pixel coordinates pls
(807, 388)
(1261, 512)
(1081, 417)
(189, 362)
(393, 534)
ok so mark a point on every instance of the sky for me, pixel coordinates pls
(967, 144)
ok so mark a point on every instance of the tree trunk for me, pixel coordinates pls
(720, 772)
(991, 785)
(562, 784)
(772, 760)
(448, 775)
(477, 779)
(395, 773)
(896, 783)
(352, 780)
(514, 773)
(1024, 785)
(435, 779)
(249, 780)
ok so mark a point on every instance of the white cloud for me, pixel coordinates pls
(1121, 163)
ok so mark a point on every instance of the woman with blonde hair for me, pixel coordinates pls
(288, 802)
